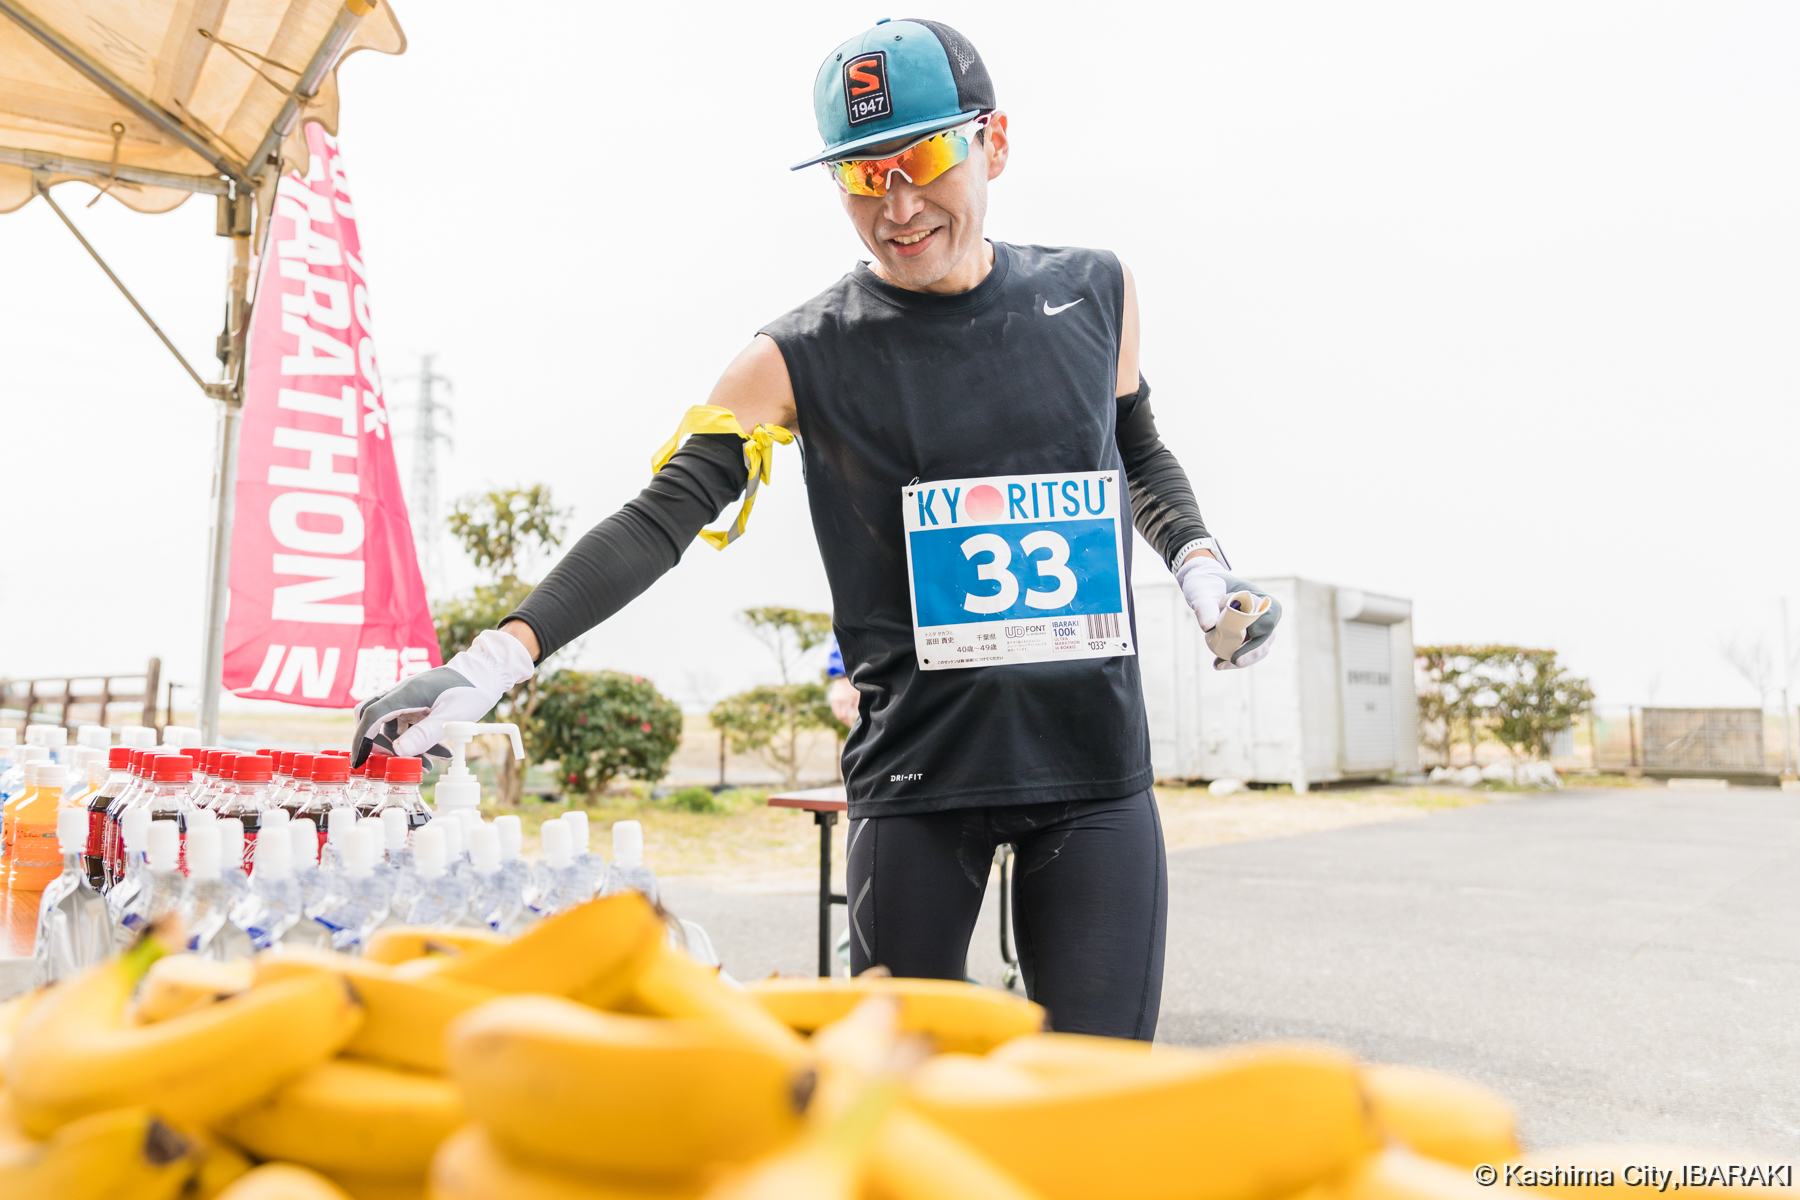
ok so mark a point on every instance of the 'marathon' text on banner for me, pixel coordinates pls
(327, 603)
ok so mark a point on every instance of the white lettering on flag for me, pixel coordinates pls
(333, 577)
(319, 472)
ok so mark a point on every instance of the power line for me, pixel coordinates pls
(423, 495)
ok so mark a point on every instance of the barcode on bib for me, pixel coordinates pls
(1103, 625)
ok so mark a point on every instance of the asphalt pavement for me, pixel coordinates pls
(1624, 965)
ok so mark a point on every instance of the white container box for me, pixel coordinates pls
(1333, 700)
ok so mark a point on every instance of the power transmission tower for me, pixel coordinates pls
(423, 495)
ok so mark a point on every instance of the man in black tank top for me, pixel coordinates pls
(978, 446)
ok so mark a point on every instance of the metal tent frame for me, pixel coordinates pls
(245, 189)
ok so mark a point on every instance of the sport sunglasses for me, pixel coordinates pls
(919, 163)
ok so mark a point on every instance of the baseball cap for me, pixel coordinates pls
(898, 79)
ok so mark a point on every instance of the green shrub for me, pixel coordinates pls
(697, 800)
(599, 725)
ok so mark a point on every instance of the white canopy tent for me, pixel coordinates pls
(153, 101)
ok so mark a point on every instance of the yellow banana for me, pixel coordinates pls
(12, 1012)
(403, 1019)
(182, 983)
(221, 1165)
(1440, 1116)
(283, 1181)
(1244, 1124)
(1648, 1170)
(1056, 1055)
(375, 1187)
(671, 984)
(398, 943)
(123, 1153)
(957, 1016)
(585, 947)
(1398, 1174)
(912, 1159)
(75, 1054)
(558, 1082)
(827, 1164)
(352, 1117)
(469, 1166)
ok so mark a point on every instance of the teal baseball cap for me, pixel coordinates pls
(896, 80)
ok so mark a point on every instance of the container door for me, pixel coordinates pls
(1368, 698)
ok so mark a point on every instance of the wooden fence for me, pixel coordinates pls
(74, 700)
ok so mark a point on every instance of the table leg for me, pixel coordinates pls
(826, 820)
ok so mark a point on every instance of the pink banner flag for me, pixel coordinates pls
(327, 603)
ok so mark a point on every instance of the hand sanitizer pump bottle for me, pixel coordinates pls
(458, 788)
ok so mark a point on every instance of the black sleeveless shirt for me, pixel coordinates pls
(1016, 376)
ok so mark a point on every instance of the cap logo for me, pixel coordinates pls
(866, 88)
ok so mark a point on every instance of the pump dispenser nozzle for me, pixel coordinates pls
(457, 787)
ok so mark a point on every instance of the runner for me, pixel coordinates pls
(967, 409)
(840, 693)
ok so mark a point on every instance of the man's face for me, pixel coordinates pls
(921, 236)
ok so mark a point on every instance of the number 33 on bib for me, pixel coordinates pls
(1016, 569)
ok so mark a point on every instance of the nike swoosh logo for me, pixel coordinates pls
(1051, 312)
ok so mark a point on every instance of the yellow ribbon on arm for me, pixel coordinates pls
(759, 456)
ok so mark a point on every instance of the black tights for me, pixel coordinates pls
(1090, 903)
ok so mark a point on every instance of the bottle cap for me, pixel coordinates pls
(274, 858)
(134, 826)
(335, 753)
(300, 766)
(628, 843)
(231, 842)
(173, 768)
(376, 767)
(324, 770)
(555, 837)
(8, 737)
(270, 753)
(138, 737)
(405, 770)
(304, 836)
(72, 830)
(393, 829)
(97, 736)
(222, 765)
(96, 768)
(180, 736)
(577, 821)
(201, 816)
(51, 776)
(252, 768)
(203, 857)
(54, 737)
(429, 850)
(339, 822)
(362, 850)
(484, 848)
(118, 756)
(164, 845)
(512, 835)
(373, 828)
(274, 818)
(31, 754)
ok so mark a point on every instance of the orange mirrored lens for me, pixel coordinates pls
(919, 164)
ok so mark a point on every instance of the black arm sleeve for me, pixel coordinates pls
(1162, 502)
(619, 558)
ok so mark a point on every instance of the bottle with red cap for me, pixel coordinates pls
(171, 800)
(294, 797)
(247, 800)
(137, 770)
(278, 776)
(374, 787)
(330, 788)
(400, 782)
(222, 769)
(118, 775)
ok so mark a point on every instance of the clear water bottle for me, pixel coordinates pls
(359, 897)
(559, 883)
(628, 869)
(440, 897)
(208, 899)
(163, 887)
(74, 927)
(133, 835)
(275, 902)
(231, 856)
(338, 824)
(591, 866)
(497, 898)
(518, 872)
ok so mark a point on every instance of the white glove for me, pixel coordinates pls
(1239, 618)
(845, 700)
(408, 719)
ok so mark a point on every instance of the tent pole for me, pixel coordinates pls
(218, 557)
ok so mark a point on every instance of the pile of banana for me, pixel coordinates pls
(589, 1060)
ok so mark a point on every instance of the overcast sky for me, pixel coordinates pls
(1492, 306)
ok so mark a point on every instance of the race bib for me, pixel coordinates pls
(1016, 569)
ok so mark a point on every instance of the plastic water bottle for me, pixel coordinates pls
(321, 783)
(34, 856)
(591, 866)
(400, 777)
(163, 887)
(313, 883)
(118, 774)
(74, 928)
(207, 903)
(441, 898)
(559, 883)
(628, 869)
(134, 832)
(513, 866)
(497, 898)
(338, 824)
(359, 898)
(231, 856)
(275, 903)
